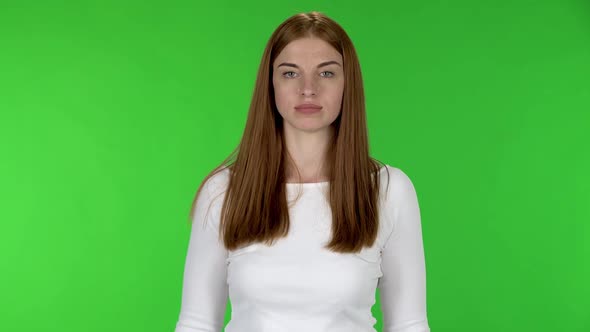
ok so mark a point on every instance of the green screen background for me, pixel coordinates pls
(111, 113)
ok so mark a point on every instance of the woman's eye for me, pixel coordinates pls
(290, 74)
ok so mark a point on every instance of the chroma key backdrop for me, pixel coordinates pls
(112, 113)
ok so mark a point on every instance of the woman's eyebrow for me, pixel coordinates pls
(320, 65)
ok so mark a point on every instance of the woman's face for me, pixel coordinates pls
(308, 71)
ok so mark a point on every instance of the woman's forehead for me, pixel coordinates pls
(308, 51)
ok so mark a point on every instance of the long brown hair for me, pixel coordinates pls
(255, 204)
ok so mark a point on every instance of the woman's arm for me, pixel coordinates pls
(204, 292)
(402, 288)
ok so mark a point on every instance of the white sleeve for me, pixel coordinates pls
(402, 288)
(204, 291)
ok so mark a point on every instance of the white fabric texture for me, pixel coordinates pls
(296, 284)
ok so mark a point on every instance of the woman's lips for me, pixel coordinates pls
(307, 109)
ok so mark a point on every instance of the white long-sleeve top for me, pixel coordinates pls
(296, 284)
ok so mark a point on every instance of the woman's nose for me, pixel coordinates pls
(308, 87)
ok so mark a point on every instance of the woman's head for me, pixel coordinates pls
(308, 40)
(309, 58)
(308, 71)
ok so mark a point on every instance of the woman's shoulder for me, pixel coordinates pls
(393, 172)
(396, 183)
(214, 186)
(217, 179)
(397, 192)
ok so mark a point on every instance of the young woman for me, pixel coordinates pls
(299, 225)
